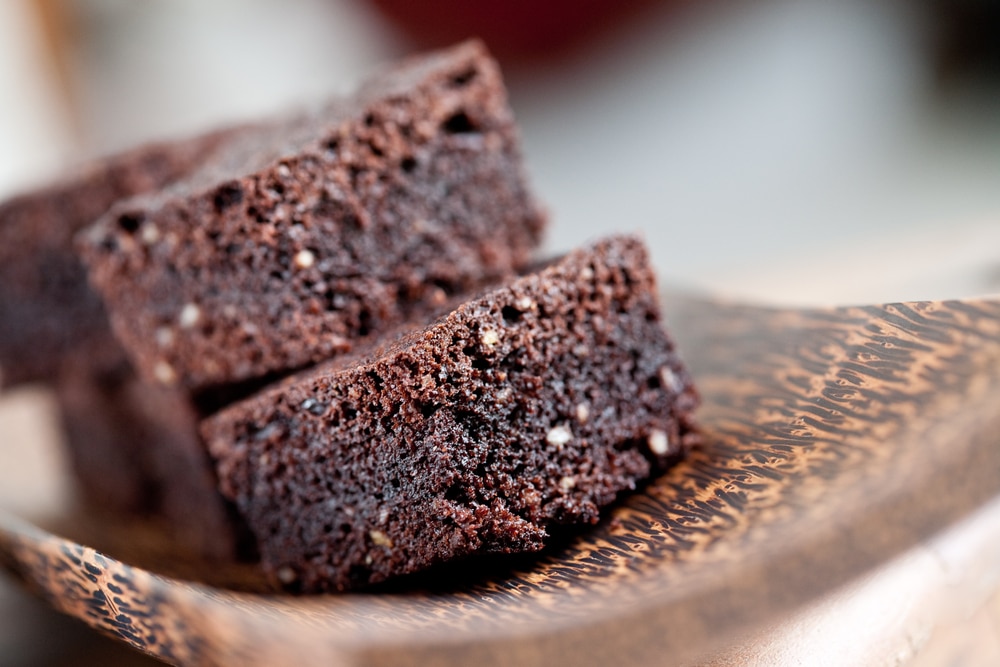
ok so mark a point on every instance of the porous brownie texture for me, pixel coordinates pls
(135, 450)
(47, 309)
(322, 228)
(534, 404)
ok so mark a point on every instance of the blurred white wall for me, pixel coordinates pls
(169, 67)
(35, 136)
(746, 136)
(781, 150)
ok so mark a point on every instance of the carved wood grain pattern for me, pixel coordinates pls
(833, 439)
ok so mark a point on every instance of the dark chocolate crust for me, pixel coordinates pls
(47, 309)
(320, 229)
(535, 404)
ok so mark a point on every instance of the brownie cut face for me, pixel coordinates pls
(320, 229)
(47, 309)
(532, 405)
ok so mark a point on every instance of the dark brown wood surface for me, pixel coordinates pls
(834, 439)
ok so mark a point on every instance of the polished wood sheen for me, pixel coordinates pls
(833, 440)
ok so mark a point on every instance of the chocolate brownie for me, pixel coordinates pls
(323, 228)
(47, 310)
(135, 451)
(535, 404)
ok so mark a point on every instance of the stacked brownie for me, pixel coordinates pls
(532, 405)
(322, 229)
(281, 246)
(307, 292)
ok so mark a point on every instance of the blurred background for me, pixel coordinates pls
(780, 150)
(783, 151)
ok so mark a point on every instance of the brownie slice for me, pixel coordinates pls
(323, 228)
(533, 405)
(135, 450)
(47, 310)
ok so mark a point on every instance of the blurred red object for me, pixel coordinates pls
(513, 29)
(966, 38)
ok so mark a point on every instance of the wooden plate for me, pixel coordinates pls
(834, 439)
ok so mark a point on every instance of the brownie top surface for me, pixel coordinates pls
(263, 146)
(49, 215)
